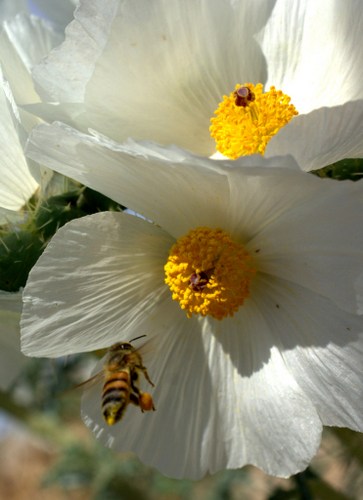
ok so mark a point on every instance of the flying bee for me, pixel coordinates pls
(121, 375)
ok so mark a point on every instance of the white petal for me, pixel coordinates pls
(100, 278)
(296, 222)
(322, 347)
(24, 41)
(169, 186)
(219, 415)
(159, 184)
(322, 137)
(313, 51)
(174, 63)
(177, 69)
(317, 242)
(64, 74)
(11, 359)
(17, 183)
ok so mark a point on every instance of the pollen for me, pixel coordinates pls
(246, 120)
(208, 273)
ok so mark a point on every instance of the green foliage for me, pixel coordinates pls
(351, 169)
(19, 251)
(21, 245)
(56, 211)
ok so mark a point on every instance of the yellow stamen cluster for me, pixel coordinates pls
(243, 126)
(209, 273)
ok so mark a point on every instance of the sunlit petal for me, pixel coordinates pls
(114, 289)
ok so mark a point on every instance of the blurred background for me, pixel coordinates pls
(46, 452)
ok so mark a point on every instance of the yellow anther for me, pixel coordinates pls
(246, 120)
(208, 273)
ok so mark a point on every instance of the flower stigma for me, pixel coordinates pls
(246, 120)
(208, 273)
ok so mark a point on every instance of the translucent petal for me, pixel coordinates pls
(313, 51)
(180, 59)
(317, 242)
(297, 223)
(24, 41)
(218, 415)
(332, 134)
(17, 183)
(171, 192)
(322, 347)
(100, 278)
(64, 74)
(200, 50)
(188, 190)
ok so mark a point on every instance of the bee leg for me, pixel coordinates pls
(134, 399)
(133, 382)
(146, 375)
(136, 394)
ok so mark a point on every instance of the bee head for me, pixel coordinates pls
(121, 346)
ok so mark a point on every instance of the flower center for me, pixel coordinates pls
(247, 119)
(209, 273)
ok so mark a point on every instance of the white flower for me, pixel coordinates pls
(24, 41)
(253, 388)
(157, 71)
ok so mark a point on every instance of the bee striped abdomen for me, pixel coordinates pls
(115, 396)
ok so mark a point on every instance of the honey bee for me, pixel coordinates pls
(121, 375)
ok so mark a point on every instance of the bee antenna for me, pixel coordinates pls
(137, 338)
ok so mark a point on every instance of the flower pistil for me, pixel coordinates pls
(246, 120)
(208, 273)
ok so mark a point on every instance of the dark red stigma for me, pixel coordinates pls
(243, 96)
(198, 281)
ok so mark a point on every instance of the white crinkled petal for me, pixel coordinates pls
(296, 223)
(219, 413)
(65, 73)
(162, 67)
(313, 51)
(317, 242)
(322, 347)
(100, 278)
(169, 186)
(172, 198)
(180, 59)
(324, 136)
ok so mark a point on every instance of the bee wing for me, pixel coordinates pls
(90, 382)
(146, 348)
